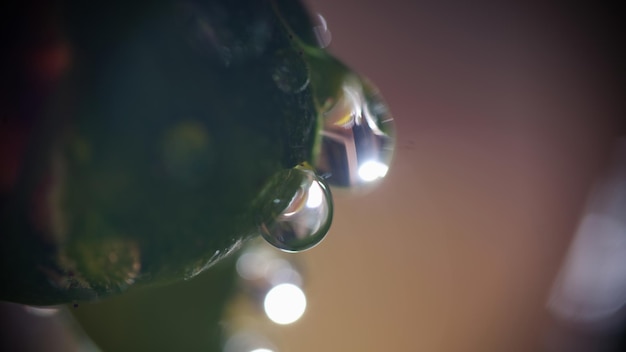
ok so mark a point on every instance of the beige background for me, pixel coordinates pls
(505, 114)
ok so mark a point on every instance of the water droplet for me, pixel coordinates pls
(289, 73)
(321, 31)
(358, 136)
(304, 211)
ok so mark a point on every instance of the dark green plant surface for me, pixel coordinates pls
(179, 317)
(146, 159)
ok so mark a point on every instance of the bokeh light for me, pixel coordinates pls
(248, 341)
(285, 303)
(591, 287)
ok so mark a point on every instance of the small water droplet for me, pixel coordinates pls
(321, 31)
(289, 72)
(303, 214)
(358, 136)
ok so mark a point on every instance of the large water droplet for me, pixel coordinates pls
(303, 211)
(358, 136)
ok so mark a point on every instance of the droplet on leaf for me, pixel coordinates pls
(303, 211)
(358, 136)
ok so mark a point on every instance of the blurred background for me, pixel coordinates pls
(501, 225)
(508, 114)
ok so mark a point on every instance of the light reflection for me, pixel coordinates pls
(315, 197)
(43, 312)
(283, 272)
(248, 341)
(357, 138)
(253, 264)
(372, 170)
(322, 33)
(285, 304)
(262, 268)
(591, 287)
(269, 285)
(304, 216)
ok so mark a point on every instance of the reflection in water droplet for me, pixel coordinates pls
(289, 73)
(322, 33)
(372, 170)
(358, 136)
(304, 209)
(43, 312)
